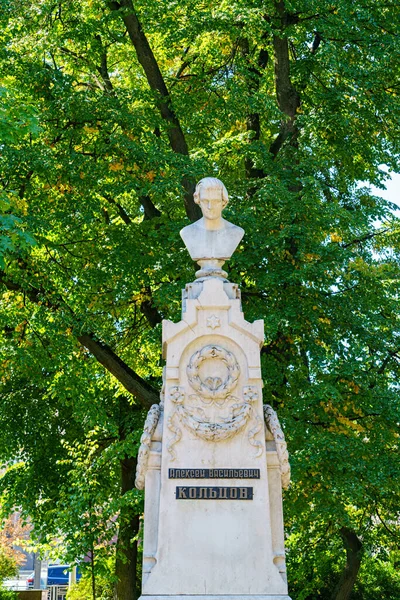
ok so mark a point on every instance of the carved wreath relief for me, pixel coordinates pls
(213, 372)
(213, 389)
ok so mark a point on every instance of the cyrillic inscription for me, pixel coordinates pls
(214, 493)
(214, 473)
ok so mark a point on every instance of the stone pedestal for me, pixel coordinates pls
(213, 460)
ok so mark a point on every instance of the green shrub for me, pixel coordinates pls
(7, 595)
(8, 564)
(83, 589)
(377, 580)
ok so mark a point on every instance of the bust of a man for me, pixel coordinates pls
(211, 240)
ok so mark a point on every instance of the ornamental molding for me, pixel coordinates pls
(213, 389)
(198, 423)
(177, 395)
(153, 416)
(273, 425)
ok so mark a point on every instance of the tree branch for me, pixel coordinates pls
(393, 533)
(103, 68)
(368, 236)
(156, 82)
(121, 211)
(253, 118)
(145, 394)
(316, 42)
(385, 362)
(150, 210)
(132, 382)
(148, 309)
(185, 63)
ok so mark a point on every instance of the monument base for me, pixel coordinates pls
(207, 597)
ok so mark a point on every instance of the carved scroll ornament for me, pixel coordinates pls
(272, 422)
(150, 425)
(177, 395)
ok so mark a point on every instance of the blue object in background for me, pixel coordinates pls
(59, 575)
(56, 575)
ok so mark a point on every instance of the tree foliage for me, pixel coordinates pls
(110, 112)
(11, 557)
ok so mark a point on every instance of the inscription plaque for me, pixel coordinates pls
(213, 493)
(214, 473)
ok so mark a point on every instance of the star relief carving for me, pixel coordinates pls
(213, 322)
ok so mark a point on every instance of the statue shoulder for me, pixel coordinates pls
(188, 230)
(234, 229)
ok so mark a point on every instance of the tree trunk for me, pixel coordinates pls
(287, 95)
(125, 564)
(353, 561)
(156, 82)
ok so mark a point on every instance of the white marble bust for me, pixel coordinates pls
(211, 240)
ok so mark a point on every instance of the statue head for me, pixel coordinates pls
(212, 196)
(211, 240)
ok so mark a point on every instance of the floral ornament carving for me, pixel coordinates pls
(195, 398)
(213, 388)
(197, 422)
(252, 436)
(177, 395)
(149, 428)
(272, 422)
(250, 395)
(177, 431)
